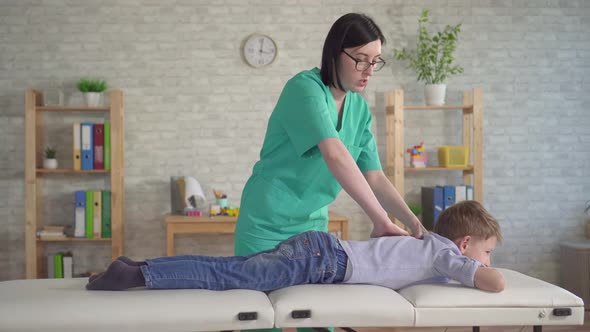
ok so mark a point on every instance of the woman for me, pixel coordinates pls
(319, 141)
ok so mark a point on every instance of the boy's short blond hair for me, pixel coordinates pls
(467, 218)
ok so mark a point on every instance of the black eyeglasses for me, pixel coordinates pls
(364, 65)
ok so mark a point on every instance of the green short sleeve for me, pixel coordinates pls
(369, 157)
(306, 114)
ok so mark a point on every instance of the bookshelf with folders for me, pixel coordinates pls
(472, 139)
(98, 213)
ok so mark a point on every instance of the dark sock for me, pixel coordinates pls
(123, 259)
(94, 276)
(118, 276)
(131, 262)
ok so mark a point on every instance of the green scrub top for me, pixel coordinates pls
(291, 185)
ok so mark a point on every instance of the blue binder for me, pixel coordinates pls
(80, 210)
(87, 146)
(448, 196)
(439, 204)
(432, 205)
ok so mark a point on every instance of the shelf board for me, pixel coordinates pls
(439, 107)
(70, 171)
(389, 170)
(468, 168)
(71, 108)
(74, 239)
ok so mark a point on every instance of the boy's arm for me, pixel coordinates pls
(489, 279)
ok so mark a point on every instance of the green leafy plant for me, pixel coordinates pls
(415, 208)
(50, 152)
(432, 60)
(90, 85)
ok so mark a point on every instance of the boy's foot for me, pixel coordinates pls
(131, 262)
(94, 276)
(118, 276)
(123, 259)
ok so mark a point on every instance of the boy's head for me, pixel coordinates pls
(472, 228)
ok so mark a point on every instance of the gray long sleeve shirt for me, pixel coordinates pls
(399, 261)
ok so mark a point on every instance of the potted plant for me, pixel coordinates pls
(92, 90)
(433, 59)
(50, 162)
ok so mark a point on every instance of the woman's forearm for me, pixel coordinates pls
(344, 168)
(390, 199)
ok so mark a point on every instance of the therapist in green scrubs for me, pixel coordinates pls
(319, 141)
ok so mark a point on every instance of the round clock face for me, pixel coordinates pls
(259, 50)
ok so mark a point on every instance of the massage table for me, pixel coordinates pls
(65, 305)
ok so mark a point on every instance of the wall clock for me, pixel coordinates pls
(259, 50)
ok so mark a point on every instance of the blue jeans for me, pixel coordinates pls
(308, 258)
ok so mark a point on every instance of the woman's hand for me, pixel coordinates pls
(417, 229)
(392, 202)
(388, 229)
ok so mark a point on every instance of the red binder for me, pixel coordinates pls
(98, 140)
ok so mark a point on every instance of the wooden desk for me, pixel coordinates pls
(176, 224)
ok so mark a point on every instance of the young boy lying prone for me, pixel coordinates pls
(459, 249)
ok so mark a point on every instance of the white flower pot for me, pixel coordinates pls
(92, 99)
(435, 94)
(50, 163)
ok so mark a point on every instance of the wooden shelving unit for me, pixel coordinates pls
(472, 138)
(34, 173)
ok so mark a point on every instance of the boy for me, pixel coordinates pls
(461, 250)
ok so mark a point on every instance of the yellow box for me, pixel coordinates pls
(453, 156)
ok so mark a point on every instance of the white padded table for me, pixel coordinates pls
(65, 305)
(524, 301)
(340, 305)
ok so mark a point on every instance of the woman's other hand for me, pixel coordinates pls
(418, 230)
(388, 229)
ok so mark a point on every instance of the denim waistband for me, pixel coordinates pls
(341, 262)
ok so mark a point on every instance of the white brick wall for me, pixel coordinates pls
(193, 107)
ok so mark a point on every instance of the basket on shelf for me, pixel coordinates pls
(453, 156)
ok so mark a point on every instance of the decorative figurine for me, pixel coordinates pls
(418, 156)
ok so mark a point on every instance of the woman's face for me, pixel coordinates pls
(351, 78)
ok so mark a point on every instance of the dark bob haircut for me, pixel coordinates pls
(350, 30)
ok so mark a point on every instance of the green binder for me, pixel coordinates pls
(58, 267)
(89, 215)
(107, 145)
(106, 214)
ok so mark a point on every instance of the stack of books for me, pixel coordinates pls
(57, 232)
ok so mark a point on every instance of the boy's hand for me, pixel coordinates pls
(387, 229)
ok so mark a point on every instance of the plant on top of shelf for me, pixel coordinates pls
(92, 90)
(90, 85)
(50, 162)
(433, 58)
